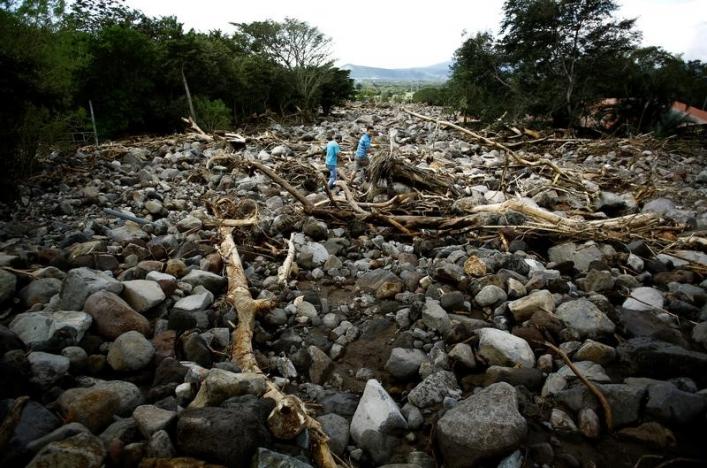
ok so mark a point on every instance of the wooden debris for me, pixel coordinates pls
(289, 417)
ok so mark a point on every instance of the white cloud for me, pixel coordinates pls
(398, 34)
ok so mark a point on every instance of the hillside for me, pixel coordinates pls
(433, 73)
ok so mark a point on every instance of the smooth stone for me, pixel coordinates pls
(113, 316)
(131, 351)
(501, 348)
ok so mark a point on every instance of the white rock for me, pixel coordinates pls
(644, 298)
(376, 411)
(142, 295)
(503, 349)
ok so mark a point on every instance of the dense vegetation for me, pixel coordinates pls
(135, 70)
(559, 60)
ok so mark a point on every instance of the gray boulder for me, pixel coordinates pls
(377, 412)
(84, 450)
(434, 389)
(81, 283)
(487, 424)
(524, 308)
(211, 281)
(404, 363)
(644, 298)
(131, 351)
(585, 319)
(500, 348)
(8, 283)
(435, 317)
(142, 295)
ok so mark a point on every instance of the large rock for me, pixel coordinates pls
(39, 291)
(524, 308)
(220, 385)
(131, 351)
(151, 419)
(490, 295)
(404, 363)
(194, 302)
(337, 428)
(668, 404)
(653, 358)
(379, 280)
(35, 328)
(223, 435)
(81, 283)
(143, 295)
(584, 318)
(376, 412)
(129, 395)
(93, 407)
(312, 255)
(434, 389)
(581, 255)
(435, 317)
(320, 365)
(47, 368)
(8, 283)
(113, 316)
(644, 298)
(35, 422)
(487, 424)
(84, 450)
(129, 233)
(500, 348)
(625, 400)
(211, 281)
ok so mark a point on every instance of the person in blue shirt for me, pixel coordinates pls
(361, 155)
(332, 152)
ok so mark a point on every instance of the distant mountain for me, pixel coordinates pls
(433, 73)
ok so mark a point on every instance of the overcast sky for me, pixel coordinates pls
(396, 34)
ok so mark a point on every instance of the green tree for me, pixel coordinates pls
(559, 49)
(301, 49)
(480, 84)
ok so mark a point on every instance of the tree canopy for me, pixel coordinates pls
(57, 55)
(558, 60)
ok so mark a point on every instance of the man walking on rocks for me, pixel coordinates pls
(361, 156)
(332, 152)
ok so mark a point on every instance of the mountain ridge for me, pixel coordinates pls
(438, 72)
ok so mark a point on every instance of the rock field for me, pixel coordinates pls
(412, 345)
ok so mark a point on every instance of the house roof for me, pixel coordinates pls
(695, 114)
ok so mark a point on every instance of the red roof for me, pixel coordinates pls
(695, 114)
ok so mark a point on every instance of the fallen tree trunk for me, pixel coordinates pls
(562, 223)
(289, 417)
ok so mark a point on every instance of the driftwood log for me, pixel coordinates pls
(289, 417)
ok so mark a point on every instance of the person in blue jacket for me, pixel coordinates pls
(332, 153)
(361, 155)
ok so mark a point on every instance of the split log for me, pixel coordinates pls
(286, 267)
(289, 417)
(567, 224)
